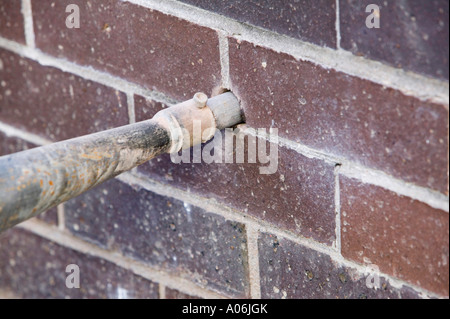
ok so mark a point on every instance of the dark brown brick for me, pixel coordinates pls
(145, 108)
(11, 21)
(164, 232)
(343, 115)
(403, 237)
(155, 50)
(12, 144)
(298, 197)
(298, 201)
(413, 35)
(9, 145)
(54, 104)
(308, 20)
(292, 271)
(33, 267)
(176, 294)
(50, 216)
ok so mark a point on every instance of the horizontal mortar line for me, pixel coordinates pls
(256, 225)
(409, 83)
(422, 194)
(28, 137)
(228, 213)
(67, 240)
(394, 282)
(238, 217)
(368, 175)
(146, 271)
(86, 72)
(118, 83)
(213, 206)
(289, 144)
(430, 197)
(349, 169)
(143, 92)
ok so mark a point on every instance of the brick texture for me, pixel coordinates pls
(308, 20)
(155, 50)
(413, 35)
(175, 294)
(41, 264)
(342, 115)
(343, 120)
(9, 145)
(404, 237)
(146, 108)
(167, 233)
(12, 144)
(54, 104)
(290, 271)
(296, 181)
(11, 21)
(298, 197)
(50, 216)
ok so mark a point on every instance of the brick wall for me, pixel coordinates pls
(362, 178)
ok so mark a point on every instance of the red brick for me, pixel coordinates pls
(343, 115)
(292, 271)
(146, 108)
(155, 50)
(55, 104)
(293, 207)
(163, 232)
(413, 35)
(9, 145)
(308, 20)
(33, 267)
(403, 237)
(298, 197)
(11, 21)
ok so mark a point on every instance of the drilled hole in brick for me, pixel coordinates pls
(218, 90)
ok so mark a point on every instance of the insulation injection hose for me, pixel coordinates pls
(36, 180)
